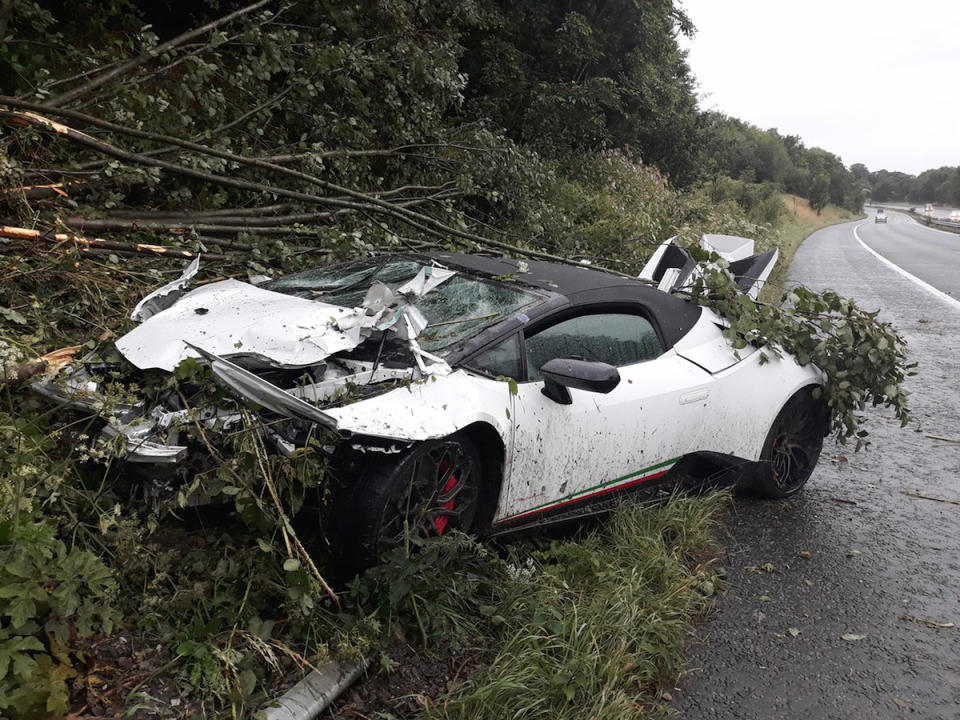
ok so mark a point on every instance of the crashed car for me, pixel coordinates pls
(483, 394)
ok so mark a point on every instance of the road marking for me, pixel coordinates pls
(912, 278)
(924, 225)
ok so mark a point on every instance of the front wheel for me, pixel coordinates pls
(432, 489)
(793, 445)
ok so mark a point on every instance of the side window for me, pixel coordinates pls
(502, 359)
(615, 338)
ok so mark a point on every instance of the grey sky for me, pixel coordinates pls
(875, 81)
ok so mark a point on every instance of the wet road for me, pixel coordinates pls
(854, 555)
(930, 254)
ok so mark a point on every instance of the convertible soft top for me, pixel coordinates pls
(582, 285)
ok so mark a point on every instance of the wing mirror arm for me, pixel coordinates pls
(560, 374)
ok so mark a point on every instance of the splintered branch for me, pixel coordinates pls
(17, 233)
(360, 201)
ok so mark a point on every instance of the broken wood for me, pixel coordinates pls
(945, 439)
(924, 496)
(31, 368)
(17, 233)
(359, 200)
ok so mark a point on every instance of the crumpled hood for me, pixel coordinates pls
(231, 318)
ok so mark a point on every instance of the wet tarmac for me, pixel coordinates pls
(834, 596)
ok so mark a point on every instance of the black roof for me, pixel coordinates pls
(569, 286)
(556, 277)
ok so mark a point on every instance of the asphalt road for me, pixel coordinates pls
(930, 254)
(855, 554)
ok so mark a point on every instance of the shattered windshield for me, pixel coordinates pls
(456, 309)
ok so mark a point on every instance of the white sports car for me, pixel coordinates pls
(471, 392)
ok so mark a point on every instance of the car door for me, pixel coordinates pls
(564, 454)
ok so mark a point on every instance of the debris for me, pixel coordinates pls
(793, 632)
(844, 501)
(854, 553)
(926, 622)
(164, 297)
(765, 598)
(945, 439)
(426, 280)
(805, 554)
(851, 637)
(924, 496)
(902, 704)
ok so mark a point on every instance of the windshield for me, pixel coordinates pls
(456, 309)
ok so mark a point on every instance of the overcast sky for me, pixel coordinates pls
(873, 81)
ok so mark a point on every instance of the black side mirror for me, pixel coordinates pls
(562, 373)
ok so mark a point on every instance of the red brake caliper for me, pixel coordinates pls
(440, 523)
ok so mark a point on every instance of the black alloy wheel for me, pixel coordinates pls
(793, 445)
(431, 490)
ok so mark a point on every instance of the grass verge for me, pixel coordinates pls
(592, 627)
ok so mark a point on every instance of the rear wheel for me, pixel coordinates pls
(793, 445)
(431, 490)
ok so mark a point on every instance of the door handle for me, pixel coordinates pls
(695, 396)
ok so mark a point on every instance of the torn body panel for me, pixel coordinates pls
(233, 318)
(673, 269)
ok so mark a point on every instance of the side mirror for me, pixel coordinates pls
(562, 373)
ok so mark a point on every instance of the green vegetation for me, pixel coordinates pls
(280, 136)
(940, 185)
(593, 628)
(746, 153)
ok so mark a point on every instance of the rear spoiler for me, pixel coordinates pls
(673, 269)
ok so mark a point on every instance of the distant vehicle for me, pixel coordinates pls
(881, 216)
(928, 209)
(955, 216)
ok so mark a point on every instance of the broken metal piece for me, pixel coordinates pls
(262, 393)
(163, 297)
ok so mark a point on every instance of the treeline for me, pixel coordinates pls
(940, 186)
(483, 105)
(743, 152)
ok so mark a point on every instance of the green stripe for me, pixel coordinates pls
(598, 486)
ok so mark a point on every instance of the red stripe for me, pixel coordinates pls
(587, 497)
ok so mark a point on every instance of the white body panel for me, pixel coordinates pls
(706, 346)
(561, 452)
(233, 318)
(662, 410)
(431, 408)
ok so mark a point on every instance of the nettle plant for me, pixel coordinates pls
(864, 359)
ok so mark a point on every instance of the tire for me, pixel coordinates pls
(792, 447)
(432, 489)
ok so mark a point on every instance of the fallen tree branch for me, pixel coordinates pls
(17, 233)
(362, 201)
(160, 49)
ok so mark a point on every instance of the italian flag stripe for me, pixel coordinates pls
(650, 473)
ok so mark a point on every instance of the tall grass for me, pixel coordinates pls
(595, 627)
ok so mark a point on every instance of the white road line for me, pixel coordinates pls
(912, 278)
(926, 227)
